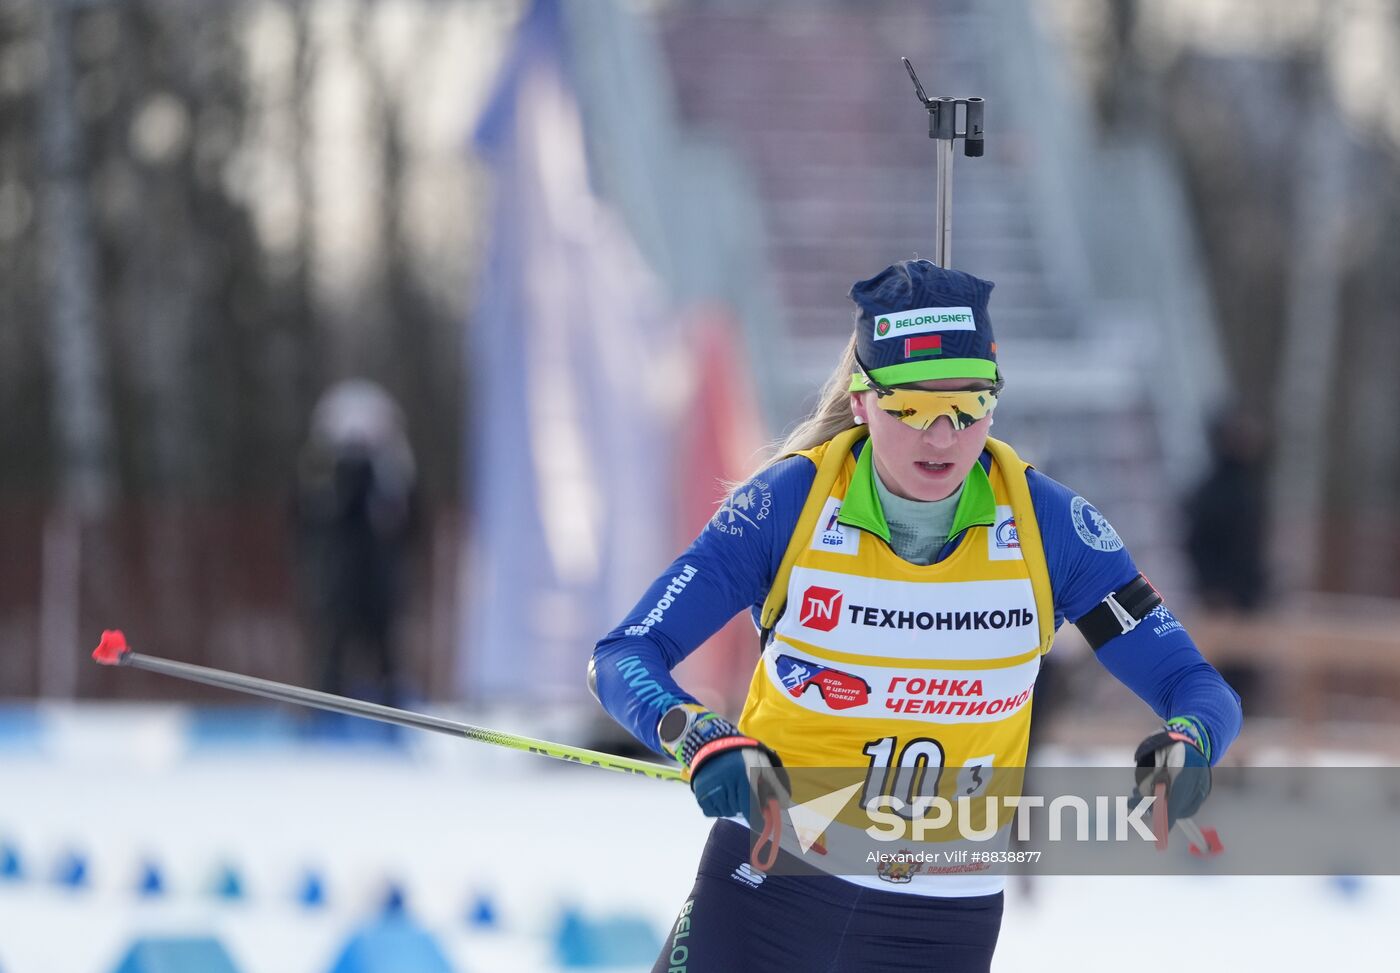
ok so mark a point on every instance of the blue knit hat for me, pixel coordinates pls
(917, 321)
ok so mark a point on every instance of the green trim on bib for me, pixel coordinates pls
(861, 508)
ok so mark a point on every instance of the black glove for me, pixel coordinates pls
(720, 761)
(1178, 755)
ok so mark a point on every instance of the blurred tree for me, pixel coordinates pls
(1289, 135)
(78, 388)
(407, 319)
(68, 279)
(170, 312)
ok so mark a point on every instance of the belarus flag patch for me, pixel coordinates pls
(923, 346)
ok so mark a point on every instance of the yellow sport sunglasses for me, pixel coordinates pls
(921, 408)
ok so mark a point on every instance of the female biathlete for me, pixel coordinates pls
(906, 573)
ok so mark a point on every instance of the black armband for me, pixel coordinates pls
(1119, 612)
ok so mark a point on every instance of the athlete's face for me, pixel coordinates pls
(927, 464)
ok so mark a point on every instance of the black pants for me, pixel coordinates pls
(736, 920)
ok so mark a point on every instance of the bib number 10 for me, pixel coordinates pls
(914, 777)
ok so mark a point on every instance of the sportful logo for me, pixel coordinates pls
(925, 319)
(673, 589)
(821, 608)
(746, 874)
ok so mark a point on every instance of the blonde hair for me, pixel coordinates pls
(831, 415)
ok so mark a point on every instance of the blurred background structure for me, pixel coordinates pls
(594, 253)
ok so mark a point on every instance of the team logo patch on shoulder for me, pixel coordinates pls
(746, 508)
(832, 535)
(1093, 528)
(1003, 542)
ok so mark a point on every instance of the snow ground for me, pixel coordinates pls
(451, 822)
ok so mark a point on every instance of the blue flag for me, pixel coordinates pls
(570, 360)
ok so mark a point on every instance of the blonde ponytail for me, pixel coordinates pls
(832, 414)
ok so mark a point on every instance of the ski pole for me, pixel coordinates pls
(943, 126)
(113, 651)
(1201, 842)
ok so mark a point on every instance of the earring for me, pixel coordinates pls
(860, 421)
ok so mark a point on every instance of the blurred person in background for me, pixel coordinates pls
(937, 564)
(355, 513)
(1226, 518)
